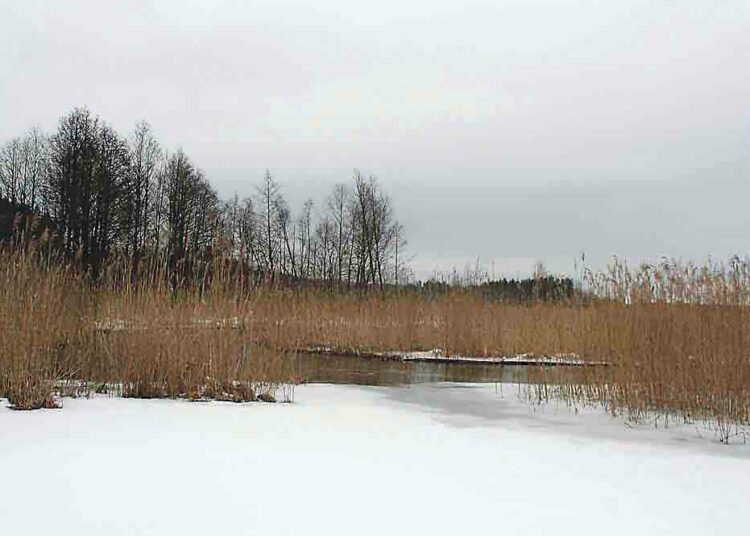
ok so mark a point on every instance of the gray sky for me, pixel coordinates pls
(506, 130)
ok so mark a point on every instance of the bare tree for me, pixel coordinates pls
(305, 239)
(110, 192)
(372, 223)
(248, 232)
(337, 208)
(10, 170)
(23, 162)
(205, 216)
(267, 197)
(400, 268)
(285, 237)
(86, 184)
(180, 199)
(229, 225)
(142, 186)
(325, 264)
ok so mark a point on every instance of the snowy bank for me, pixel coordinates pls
(429, 459)
(438, 356)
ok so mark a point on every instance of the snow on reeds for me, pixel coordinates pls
(676, 337)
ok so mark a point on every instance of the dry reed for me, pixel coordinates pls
(677, 336)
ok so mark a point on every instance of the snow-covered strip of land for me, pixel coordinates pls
(438, 356)
(430, 459)
(118, 324)
(521, 359)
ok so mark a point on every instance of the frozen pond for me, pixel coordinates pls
(420, 459)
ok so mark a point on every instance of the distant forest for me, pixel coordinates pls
(103, 193)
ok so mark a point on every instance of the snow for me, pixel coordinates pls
(438, 356)
(427, 459)
(118, 324)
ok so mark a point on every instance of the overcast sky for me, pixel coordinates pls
(512, 131)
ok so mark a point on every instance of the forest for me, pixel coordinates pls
(101, 193)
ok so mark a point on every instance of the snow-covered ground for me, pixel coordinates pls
(427, 459)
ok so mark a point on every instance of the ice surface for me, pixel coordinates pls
(426, 459)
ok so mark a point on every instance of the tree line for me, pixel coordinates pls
(106, 193)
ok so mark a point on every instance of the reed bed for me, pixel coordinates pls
(63, 334)
(677, 337)
(40, 309)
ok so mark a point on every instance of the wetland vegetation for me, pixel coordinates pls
(123, 272)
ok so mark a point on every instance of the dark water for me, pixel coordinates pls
(373, 371)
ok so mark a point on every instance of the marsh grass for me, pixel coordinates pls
(677, 337)
(39, 315)
(64, 335)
